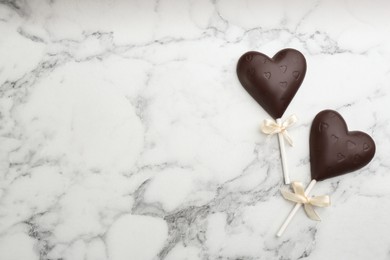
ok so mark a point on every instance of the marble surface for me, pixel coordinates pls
(125, 134)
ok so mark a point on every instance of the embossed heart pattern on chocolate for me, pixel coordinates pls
(334, 150)
(272, 82)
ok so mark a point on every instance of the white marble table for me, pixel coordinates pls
(125, 134)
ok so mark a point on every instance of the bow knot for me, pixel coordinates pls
(271, 127)
(299, 196)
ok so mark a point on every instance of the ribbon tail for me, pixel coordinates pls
(291, 120)
(298, 188)
(288, 138)
(292, 196)
(320, 201)
(310, 212)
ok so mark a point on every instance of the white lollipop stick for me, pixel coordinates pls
(283, 155)
(294, 210)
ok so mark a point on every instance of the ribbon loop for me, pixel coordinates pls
(299, 196)
(271, 127)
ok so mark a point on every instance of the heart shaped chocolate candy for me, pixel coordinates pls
(272, 82)
(334, 150)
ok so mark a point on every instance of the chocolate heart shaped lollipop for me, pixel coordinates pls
(272, 82)
(334, 150)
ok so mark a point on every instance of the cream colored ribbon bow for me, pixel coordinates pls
(271, 127)
(299, 197)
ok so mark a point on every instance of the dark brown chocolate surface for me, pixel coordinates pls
(272, 82)
(334, 150)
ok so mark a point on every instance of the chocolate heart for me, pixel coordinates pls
(272, 82)
(334, 150)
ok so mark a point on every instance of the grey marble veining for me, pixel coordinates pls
(125, 134)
